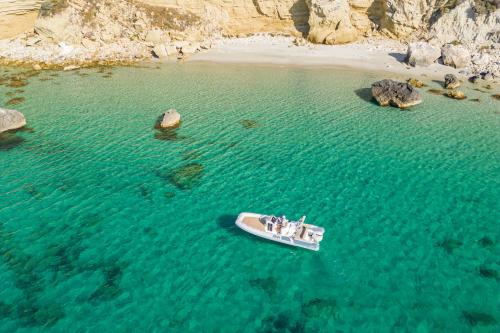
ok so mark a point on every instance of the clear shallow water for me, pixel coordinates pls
(105, 227)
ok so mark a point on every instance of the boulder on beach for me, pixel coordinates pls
(422, 54)
(400, 94)
(455, 56)
(451, 81)
(170, 119)
(11, 119)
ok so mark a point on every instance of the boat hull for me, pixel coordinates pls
(242, 223)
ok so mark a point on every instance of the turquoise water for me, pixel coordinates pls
(108, 225)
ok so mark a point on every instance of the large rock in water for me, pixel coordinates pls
(422, 54)
(400, 94)
(455, 56)
(170, 119)
(11, 119)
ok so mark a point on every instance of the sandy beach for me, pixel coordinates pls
(374, 55)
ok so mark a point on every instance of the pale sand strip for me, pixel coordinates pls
(381, 55)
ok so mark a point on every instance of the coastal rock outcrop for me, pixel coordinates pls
(455, 56)
(11, 119)
(169, 119)
(451, 81)
(400, 94)
(422, 54)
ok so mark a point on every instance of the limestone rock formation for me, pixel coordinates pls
(422, 54)
(330, 22)
(11, 119)
(400, 94)
(170, 119)
(455, 55)
(451, 81)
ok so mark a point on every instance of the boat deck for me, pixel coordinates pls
(254, 223)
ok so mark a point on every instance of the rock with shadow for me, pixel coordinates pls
(399, 94)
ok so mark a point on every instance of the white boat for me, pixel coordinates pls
(279, 229)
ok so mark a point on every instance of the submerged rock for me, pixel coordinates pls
(400, 94)
(416, 83)
(451, 81)
(455, 94)
(422, 54)
(248, 123)
(170, 119)
(11, 119)
(15, 101)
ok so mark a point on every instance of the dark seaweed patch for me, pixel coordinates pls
(185, 177)
(15, 101)
(488, 273)
(496, 97)
(110, 289)
(5, 310)
(169, 195)
(268, 284)
(477, 100)
(191, 155)
(479, 318)
(32, 314)
(486, 241)
(282, 322)
(449, 244)
(248, 123)
(144, 191)
(317, 306)
(32, 190)
(9, 140)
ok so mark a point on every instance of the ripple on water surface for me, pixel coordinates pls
(107, 224)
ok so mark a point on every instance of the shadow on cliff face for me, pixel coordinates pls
(300, 17)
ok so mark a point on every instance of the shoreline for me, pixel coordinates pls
(378, 55)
